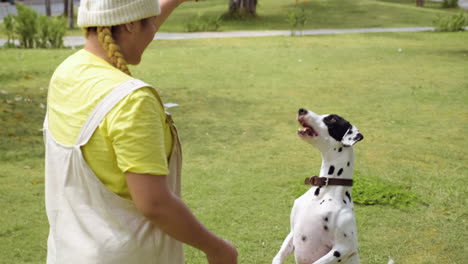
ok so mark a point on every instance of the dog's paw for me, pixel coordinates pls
(276, 260)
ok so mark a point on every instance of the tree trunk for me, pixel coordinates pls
(47, 8)
(420, 3)
(65, 8)
(250, 7)
(70, 15)
(236, 7)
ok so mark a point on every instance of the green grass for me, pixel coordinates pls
(406, 92)
(322, 14)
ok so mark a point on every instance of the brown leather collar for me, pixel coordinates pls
(323, 181)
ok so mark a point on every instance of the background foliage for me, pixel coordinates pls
(34, 30)
(238, 98)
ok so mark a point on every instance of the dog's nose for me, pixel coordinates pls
(302, 111)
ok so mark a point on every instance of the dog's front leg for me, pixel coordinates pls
(286, 249)
(336, 255)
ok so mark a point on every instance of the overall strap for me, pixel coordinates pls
(105, 106)
(45, 126)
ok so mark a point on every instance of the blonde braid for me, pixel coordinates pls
(112, 49)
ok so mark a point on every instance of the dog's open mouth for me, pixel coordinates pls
(306, 130)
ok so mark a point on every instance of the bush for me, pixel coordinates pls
(34, 30)
(51, 32)
(26, 26)
(43, 33)
(8, 22)
(450, 4)
(297, 18)
(450, 23)
(58, 28)
(200, 23)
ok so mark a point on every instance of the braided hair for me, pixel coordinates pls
(112, 49)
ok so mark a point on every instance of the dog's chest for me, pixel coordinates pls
(317, 220)
(318, 214)
(326, 199)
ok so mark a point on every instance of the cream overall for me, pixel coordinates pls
(89, 223)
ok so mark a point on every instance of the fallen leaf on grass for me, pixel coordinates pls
(36, 181)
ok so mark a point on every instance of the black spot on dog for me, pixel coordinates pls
(349, 196)
(337, 254)
(329, 200)
(350, 132)
(337, 126)
(322, 201)
(331, 170)
(326, 219)
(340, 172)
(340, 149)
(345, 235)
(304, 238)
(317, 191)
(325, 227)
(344, 201)
(339, 260)
(348, 164)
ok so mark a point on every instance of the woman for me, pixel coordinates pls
(112, 153)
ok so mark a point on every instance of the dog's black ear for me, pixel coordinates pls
(351, 137)
(337, 126)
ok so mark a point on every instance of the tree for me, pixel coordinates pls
(236, 7)
(47, 8)
(420, 3)
(65, 8)
(70, 14)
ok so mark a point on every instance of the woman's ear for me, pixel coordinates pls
(129, 27)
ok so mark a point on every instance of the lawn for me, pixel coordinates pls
(243, 163)
(321, 14)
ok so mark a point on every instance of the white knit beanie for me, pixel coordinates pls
(92, 13)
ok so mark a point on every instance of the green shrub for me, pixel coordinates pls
(26, 26)
(34, 30)
(51, 32)
(43, 32)
(200, 23)
(450, 4)
(58, 28)
(8, 22)
(297, 18)
(450, 23)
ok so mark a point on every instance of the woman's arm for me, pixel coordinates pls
(167, 6)
(154, 200)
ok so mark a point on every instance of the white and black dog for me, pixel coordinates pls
(323, 227)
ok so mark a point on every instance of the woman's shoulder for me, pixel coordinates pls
(146, 95)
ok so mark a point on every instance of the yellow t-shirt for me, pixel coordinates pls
(133, 137)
